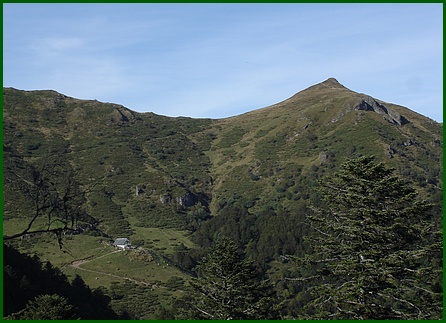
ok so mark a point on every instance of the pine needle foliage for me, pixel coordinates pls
(377, 250)
(45, 307)
(227, 287)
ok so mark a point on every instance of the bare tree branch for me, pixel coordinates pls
(57, 199)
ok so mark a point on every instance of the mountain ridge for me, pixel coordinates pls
(330, 87)
(331, 84)
(210, 161)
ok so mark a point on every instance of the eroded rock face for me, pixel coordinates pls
(323, 158)
(165, 198)
(122, 116)
(187, 199)
(370, 104)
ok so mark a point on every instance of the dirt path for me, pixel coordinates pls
(77, 265)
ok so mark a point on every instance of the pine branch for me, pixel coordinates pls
(302, 278)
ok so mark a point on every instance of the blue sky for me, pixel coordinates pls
(220, 60)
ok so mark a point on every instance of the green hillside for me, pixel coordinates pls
(172, 185)
(312, 132)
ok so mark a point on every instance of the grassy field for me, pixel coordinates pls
(160, 239)
(153, 272)
(46, 247)
(15, 225)
(103, 266)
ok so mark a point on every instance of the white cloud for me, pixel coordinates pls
(62, 44)
(50, 48)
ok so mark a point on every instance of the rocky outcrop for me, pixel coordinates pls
(323, 158)
(370, 104)
(122, 116)
(187, 199)
(165, 198)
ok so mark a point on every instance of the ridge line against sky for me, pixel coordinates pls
(222, 59)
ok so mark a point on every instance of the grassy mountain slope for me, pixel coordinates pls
(158, 178)
(157, 169)
(263, 151)
(122, 151)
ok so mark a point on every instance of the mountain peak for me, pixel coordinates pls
(329, 84)
(332, 82)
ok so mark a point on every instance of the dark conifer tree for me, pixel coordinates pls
(227, 287)
(377, 249)
(46, 307)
